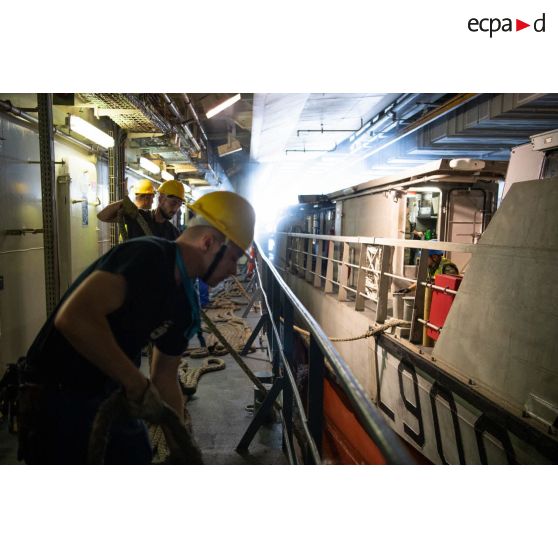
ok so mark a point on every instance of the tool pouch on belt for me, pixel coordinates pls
(21, 401)
(31, 401)
(8, 397)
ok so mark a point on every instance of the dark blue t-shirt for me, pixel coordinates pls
(155, 308)
(162, 230)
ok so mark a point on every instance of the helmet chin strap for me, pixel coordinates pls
(218, 257)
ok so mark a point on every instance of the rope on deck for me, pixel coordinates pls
(231, 336)
(181, 447)
(188, 378)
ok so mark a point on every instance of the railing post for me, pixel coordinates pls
(301, 271)
(275, 308)
(309, 257)
(360, 301)
(330, 264)
(288, 332)
(344, 274)
(288, 346)
(269, 290)
(418, 308)
(318, 266)
(315, 394)
(288, 253)
(383, 284)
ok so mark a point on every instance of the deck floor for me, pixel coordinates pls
(219, 415)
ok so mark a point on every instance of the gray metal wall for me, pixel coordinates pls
(22, 300)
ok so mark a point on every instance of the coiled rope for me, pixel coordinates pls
(188, 378)
(181, 447)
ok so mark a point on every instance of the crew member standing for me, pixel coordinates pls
(170, 199)
(437, 264)
(144, 193)
(87, 346)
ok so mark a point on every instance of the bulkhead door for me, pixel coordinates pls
(469, 211)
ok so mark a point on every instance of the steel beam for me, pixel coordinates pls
(48, 196)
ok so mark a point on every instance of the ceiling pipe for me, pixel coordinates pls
(389, 119)
(195, 115)
(304, 150)
(174, 109)
(142, 175)
(6, 106)
(449, 106)
(322, 131)
(160, 122)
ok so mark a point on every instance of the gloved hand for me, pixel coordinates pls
(150, 407)
(403, 291)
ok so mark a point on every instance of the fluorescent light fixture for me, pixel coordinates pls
(141, 175)
(167, 175)
(92, 133)
(198, 182)
(232, 146)
(149, 166)
(222, 106)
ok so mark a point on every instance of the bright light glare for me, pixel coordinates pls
(426, 189)
(92, 197)
(201, 191)
(222, 106)
(304, 155)
(149, 166)
(167, 175)
(83, 128)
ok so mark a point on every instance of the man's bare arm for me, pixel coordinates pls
(109, 214)
(164, 374)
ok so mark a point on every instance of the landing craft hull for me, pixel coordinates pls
(488, 391)
(448, 421)
(445, 421)
(435, 410)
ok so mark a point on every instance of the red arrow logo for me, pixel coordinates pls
(519, 25)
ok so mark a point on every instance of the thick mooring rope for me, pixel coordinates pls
(235, 332)
(370, 333)
(181, 447)
(188, 378)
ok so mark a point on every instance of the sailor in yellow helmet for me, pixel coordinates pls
(79, 370)
(155, 222)
(144, 194)
(231, 215)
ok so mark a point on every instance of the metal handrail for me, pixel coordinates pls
(383, 241)
(370, 418)
(313, 448)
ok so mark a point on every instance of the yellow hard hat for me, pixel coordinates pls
(144, 186)
(230, 214)
(172, 188)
